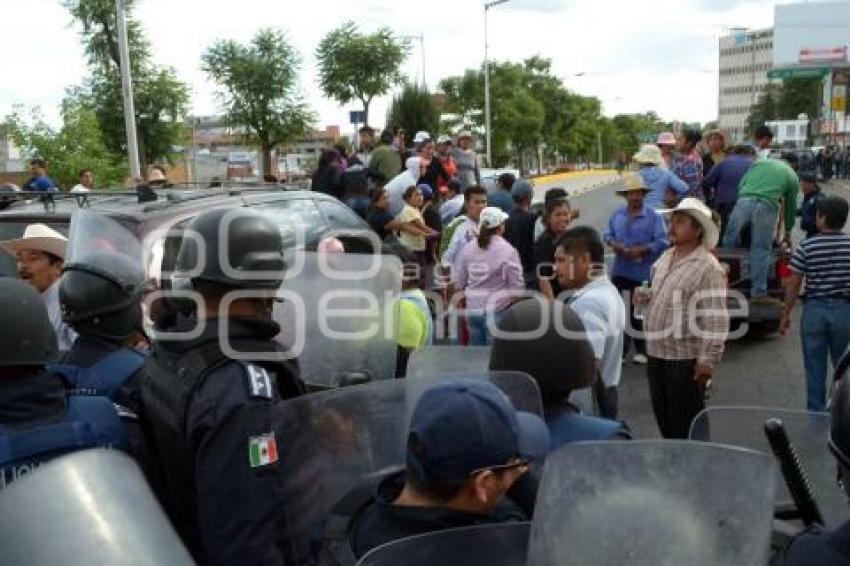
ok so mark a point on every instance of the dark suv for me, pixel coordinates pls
(303, 217)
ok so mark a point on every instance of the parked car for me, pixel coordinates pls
(303, 217)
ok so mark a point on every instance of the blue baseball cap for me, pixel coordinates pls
(465, 425)
(522, 189)
(427, 191)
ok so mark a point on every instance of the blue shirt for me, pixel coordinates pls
(42, 183)
(501, 199)
(721, 183)
(645, 229)
(659, 181)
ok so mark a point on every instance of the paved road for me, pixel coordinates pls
(755, 370)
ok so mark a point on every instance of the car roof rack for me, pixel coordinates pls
(172, 194)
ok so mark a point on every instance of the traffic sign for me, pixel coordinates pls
(802, 73)
(357, 117)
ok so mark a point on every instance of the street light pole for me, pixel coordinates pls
(487, 129)
(127, 91)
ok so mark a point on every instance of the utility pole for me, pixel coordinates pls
(127, 91)
(487, 128)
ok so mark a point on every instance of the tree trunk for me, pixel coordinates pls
(266, 150)
(366, 104)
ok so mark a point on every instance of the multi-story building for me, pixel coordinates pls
(745, 58)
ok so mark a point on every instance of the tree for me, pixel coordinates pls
(258, 92)
(77, 145)
(357, 66)
(764, 110)
(161, 100)
(799, 96)
(414, 110)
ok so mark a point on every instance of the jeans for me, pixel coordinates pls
(761, 216)
(479, 333)
(825, 333)
(607, 399)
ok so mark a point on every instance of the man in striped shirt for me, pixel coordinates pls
(824, 262)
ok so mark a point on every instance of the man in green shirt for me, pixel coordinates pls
(385, 162)
(767, 184)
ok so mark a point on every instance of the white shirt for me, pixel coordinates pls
(450, 209)
(80, 189)
(464, 233)
(65, 335)
(395, 190)
(601, 309)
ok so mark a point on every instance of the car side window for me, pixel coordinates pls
(340, 217)
(299, 221)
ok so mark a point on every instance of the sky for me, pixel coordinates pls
(634, 55)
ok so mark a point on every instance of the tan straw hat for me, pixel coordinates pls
(649, 153)
(633, 182)
(38, 238)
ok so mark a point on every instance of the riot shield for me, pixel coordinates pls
(336, 315)
(91, 232)
(520, 387)
(491, 545)
(653, 503)
(89, 507)
(333, 441)
(439, 360)
(744, 426)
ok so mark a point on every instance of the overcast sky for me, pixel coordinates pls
(636, 55)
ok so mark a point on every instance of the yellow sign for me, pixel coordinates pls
(839, 98)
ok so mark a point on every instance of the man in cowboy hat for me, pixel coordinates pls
(666, 142)
(468, 172)
(638, 235)
(659, 180)
(40, 254)
(686, 323)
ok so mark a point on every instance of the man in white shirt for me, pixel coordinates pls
(580, 265)
(475, 201)
(86, 182)
(40, 255)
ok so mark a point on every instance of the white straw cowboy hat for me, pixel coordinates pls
(649, 153)
(38, 238)
(702, 214)
(155, 176)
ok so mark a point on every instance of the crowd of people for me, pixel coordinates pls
(534, 287)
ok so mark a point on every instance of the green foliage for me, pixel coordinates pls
(358, 66)
(414, 110)
(77, 145)
(765, 109)
(161, 100)
(799, 96)
(259, 89)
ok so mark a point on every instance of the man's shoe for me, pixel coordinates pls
(640, 359)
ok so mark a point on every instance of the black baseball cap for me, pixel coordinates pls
(466, 425)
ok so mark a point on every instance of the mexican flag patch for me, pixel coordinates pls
(262, 450)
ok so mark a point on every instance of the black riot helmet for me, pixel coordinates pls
(30, 339)
(100, 295)
(235, 248)
(839, 433)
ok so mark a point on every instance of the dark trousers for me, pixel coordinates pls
(676, 397)
(607, 400)
(725, 211)
(624, 284)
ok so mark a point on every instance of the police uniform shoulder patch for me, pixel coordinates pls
(259, 382)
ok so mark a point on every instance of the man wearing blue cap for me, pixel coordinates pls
(519, 229)
(467, 446)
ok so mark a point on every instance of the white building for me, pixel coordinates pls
(790, 133)
(745, 58)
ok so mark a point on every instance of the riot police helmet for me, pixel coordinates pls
(31, 339)
(100, 295)
(233, 248)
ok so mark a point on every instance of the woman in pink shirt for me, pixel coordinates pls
(489, 273)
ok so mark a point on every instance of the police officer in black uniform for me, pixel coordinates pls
(211, 416)
(100, 299)
(818, 546)
(38, 421)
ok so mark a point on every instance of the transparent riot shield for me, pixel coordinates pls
(333, 441)
(653, 503)
(491, 545)
(518, 386)
(337, 314)
(438, 360)
(89, 507)
(744, 426)
(91, 232)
